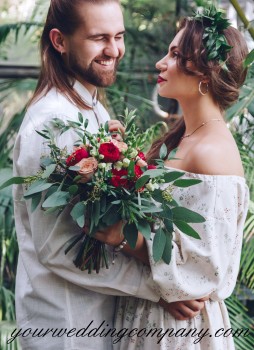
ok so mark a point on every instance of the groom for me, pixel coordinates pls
(57, 305)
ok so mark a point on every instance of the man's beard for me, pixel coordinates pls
(91, 75)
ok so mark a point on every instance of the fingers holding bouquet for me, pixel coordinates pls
(116, 126)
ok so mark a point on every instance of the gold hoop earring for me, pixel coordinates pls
(200, 88)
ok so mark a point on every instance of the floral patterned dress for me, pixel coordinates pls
(198, 268)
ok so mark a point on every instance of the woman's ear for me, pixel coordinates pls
(58, 41)
(205, 79)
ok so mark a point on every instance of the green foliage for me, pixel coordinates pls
(214, 40)
(8, 252)
(150, 27)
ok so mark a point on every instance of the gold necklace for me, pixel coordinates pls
(200, 126)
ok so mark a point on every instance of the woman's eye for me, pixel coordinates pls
(175, 54)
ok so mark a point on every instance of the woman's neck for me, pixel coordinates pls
(198, 112)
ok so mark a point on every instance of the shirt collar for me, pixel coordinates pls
(85, 94)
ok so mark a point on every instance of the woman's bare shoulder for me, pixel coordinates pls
(215, 157)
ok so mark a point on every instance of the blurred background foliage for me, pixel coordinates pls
(150, 26)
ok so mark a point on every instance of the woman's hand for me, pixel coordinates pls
(115, 125)
(185, 309)
(113, 235)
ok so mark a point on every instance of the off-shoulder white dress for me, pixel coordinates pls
(197, 268)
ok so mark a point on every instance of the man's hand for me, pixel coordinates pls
(184, 310)
(115, 125)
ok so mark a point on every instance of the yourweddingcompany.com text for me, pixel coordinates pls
(103, 330)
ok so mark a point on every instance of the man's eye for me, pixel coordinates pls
(119, 37)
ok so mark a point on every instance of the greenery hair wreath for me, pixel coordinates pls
(213, 38)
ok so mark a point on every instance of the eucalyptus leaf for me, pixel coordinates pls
(145, 228)
(46, 161)
(163, 151)
(35, 201)
(78, 213)
(74, 168)
(172, 154)
(48, 171)
(112, 216)
(172, 175)
(130, 232)
(186, 215)
(167, 252)
(57, 199)
(80, 117)
(131, 167)
(159, 242)
(45, 136)
(73, 189)
(51, 190)
(249, 59)
(37, 186)
(187, 229)
(152, 173)
(141, 181)
(96, 212)
(13, 181)
(186, 182)
(106, 127)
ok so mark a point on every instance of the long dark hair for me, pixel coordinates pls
(65, 16)
(224, 85)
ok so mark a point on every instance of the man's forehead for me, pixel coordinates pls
(104, 18)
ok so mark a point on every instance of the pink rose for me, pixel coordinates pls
(87, 168)
(122, 146)
(141, 163)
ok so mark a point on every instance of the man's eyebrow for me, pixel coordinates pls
(97, 35)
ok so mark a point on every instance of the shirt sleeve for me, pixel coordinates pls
(208, 266)
(46, 235)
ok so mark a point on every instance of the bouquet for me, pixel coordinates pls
(105, 181)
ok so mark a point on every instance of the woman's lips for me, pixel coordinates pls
(160, 79)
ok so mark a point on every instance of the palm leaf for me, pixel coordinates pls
(240, 320)
(6, 329)
(7, 29)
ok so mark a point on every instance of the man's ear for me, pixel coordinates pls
(58, 41)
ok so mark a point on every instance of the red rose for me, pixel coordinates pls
(76, 156)
(110, 152)
(141, 155)
(118, 181)
(151, 166)
(137, 171)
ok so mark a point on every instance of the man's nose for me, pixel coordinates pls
(112, 49)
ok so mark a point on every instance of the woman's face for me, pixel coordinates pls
(172, 82)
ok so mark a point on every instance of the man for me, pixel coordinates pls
(58, 306)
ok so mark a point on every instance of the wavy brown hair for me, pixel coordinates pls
(65, 16)
(224, 84)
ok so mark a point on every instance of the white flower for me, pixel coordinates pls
(93, 152)
(108, 166)
(150, 187)
(118, 165)
(126, 162)
(102, 165)
(156, 186)
(101, 156)
(133, 153)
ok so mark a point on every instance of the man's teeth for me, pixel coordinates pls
(105, 63)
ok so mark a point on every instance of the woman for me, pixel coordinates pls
(206, 150)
